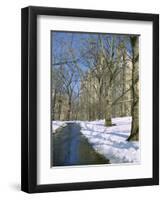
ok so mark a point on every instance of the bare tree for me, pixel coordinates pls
(94, 79)
(135, 88)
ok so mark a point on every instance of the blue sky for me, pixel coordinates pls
(62, 39)
(62, 42)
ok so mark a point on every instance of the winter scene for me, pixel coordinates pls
(94, 99)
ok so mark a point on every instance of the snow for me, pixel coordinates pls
(57, 124)
(60, 124)
(108, 141)
(111, 141)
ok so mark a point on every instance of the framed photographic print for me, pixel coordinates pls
(90, 99)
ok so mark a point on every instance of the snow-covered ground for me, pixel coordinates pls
(108, 141)
(111, 141)
(57, 124)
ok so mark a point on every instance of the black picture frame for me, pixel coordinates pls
(29, 98)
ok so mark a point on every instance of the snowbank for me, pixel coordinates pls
(111, 141)
(57, 124)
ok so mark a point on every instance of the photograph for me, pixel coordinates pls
(94, 98)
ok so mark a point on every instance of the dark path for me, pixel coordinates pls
(70, 147)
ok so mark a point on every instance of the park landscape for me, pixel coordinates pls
(94, 98)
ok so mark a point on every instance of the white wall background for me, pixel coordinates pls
(10, 79)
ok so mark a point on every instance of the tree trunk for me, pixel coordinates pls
(100, 101)
(69, 109)
(123, 105)
(53, 105)
(108, 114)
(135, 90)
(59, 109)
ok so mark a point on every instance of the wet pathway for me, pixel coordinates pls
(70, 147)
